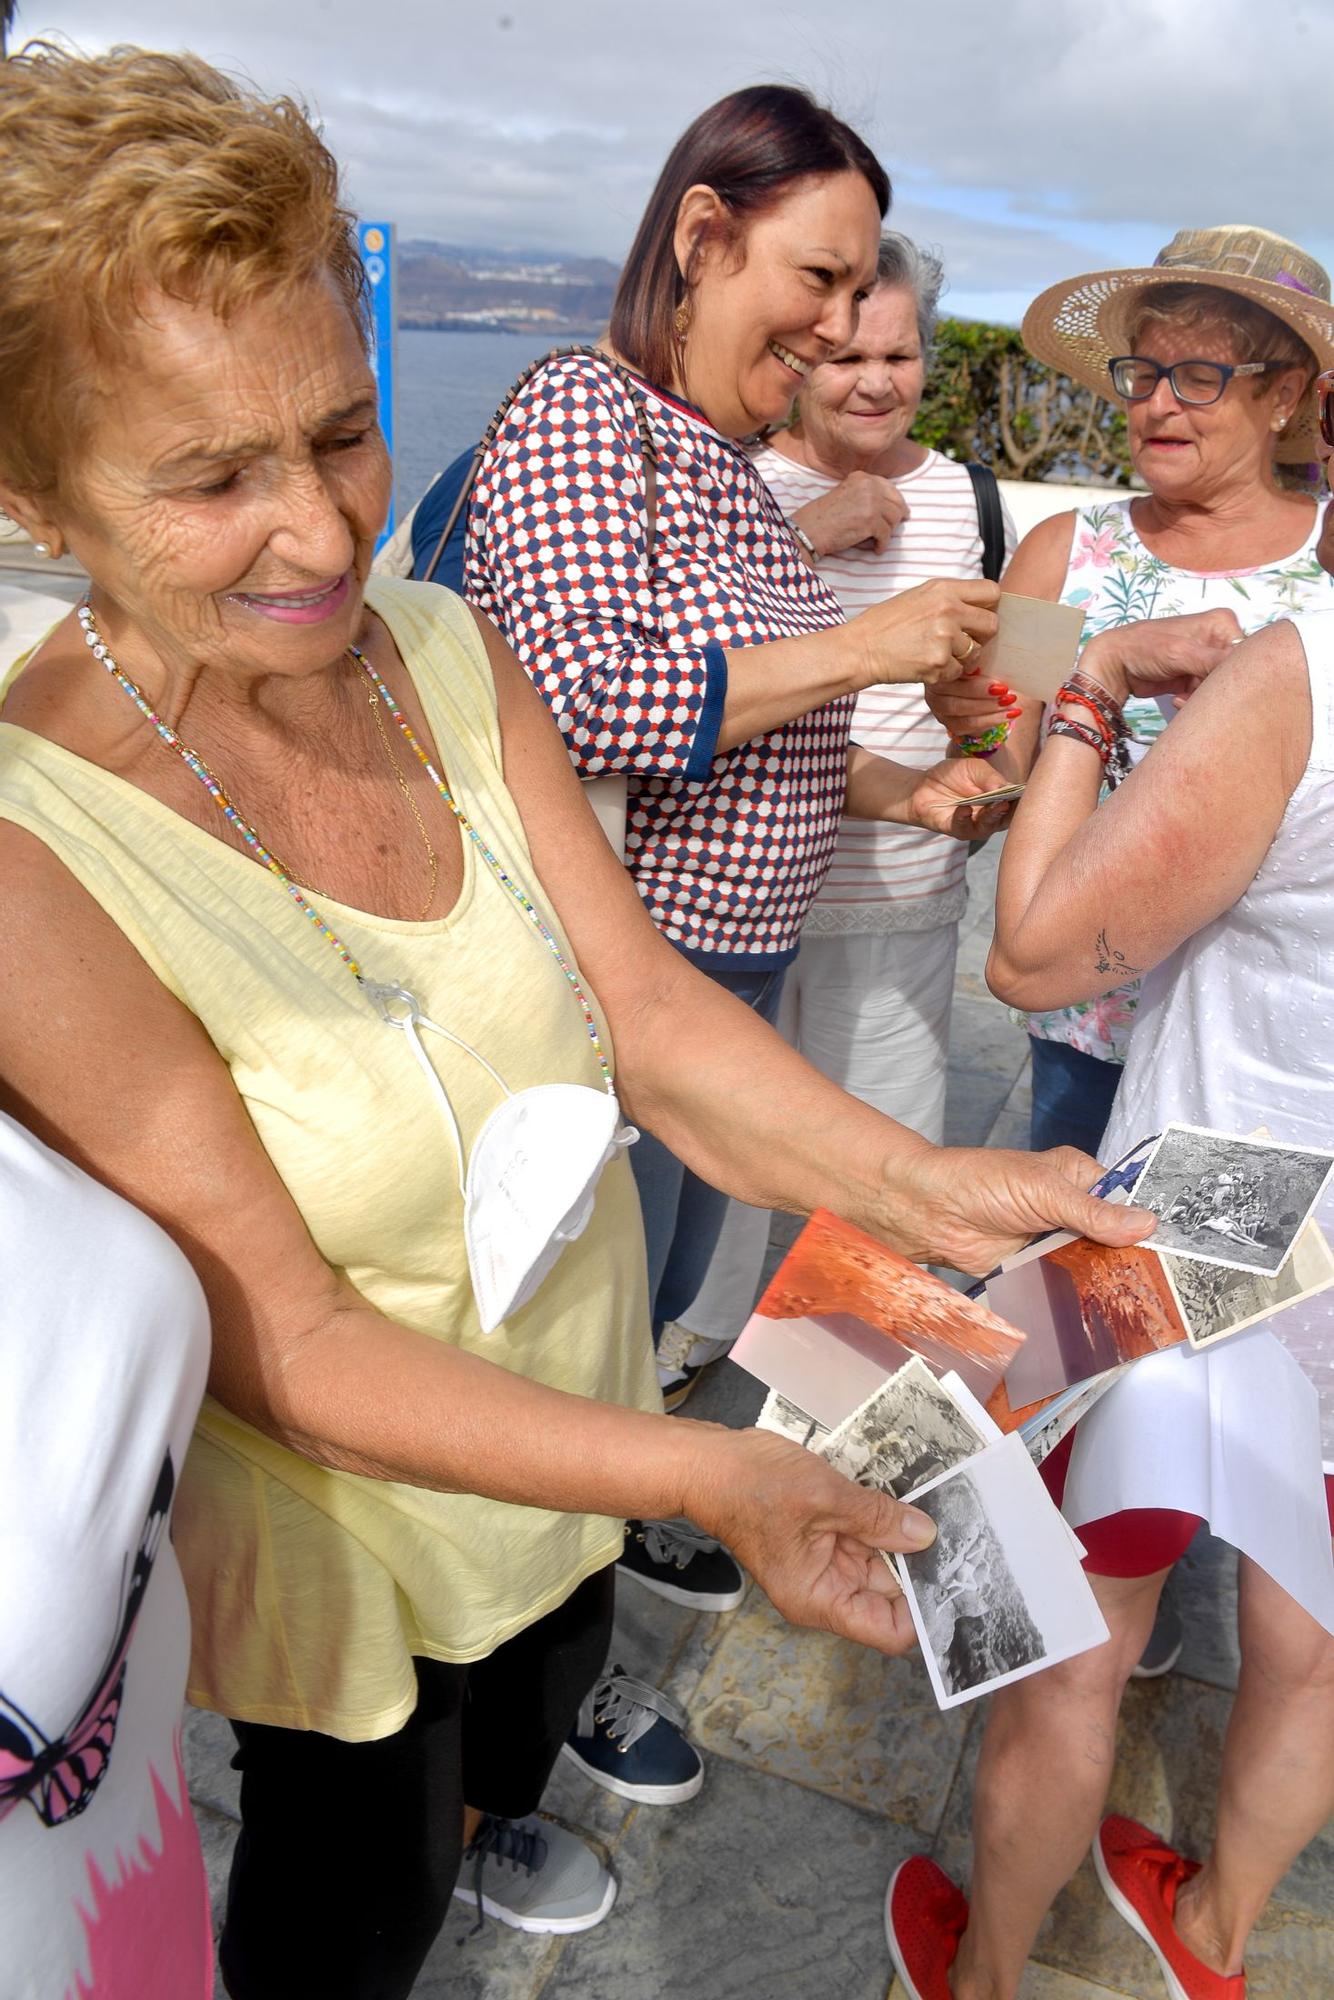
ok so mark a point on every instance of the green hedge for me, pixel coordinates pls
(988, 399)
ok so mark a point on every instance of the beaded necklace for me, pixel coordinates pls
(100, 651)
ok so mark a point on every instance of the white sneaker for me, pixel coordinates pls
(534, 1875)
(681, 1356)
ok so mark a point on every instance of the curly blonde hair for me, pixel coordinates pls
(134, 174)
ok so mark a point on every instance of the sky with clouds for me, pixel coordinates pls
(1026, 139)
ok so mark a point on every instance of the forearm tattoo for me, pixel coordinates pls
(1106, 958)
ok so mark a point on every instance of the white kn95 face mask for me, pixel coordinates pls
(529, 1188)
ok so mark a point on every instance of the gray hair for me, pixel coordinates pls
(903, 262)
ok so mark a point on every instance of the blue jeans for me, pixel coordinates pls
(1072, 1096)
(683, 1215)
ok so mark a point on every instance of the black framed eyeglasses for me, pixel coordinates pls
(1135, 377)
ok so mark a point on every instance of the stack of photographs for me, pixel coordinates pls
(1000, 1593)
(952, 1401)
(1234, 1245)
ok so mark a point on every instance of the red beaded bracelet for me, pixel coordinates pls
(1070, 696)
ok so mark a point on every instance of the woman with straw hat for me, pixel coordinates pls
(1230, 911)
(1212, 349)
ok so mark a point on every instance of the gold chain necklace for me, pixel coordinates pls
(432, 860)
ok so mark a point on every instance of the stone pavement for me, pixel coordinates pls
(827, 1765)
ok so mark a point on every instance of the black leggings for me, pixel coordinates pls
(348, 1852)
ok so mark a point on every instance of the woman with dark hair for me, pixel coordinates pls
(624, 543)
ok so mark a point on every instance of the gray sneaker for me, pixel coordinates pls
(1166, 1639)
(534, 1875)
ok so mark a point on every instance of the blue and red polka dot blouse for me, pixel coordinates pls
(727, 848)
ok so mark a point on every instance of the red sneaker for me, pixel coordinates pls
(925, 1916)
(1140, 1876)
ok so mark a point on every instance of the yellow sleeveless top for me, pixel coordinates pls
(310, 1589)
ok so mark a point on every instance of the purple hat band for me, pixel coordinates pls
(1295, 284)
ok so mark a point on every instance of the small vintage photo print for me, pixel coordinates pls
(1240, 1202)
(1214, 1301)
(788, 1421)
(1000, 1593)
(908, 1432)
(1085, 1307)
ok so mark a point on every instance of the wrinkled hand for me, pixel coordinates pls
(861, 512)
(936, 800)
(923, 633)
(969, 1207)
(809, 1537)
(1161, 655)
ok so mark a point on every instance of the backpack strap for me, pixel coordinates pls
(990, 520)
(648, 450)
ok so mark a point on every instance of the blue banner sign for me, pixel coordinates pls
(379, 259)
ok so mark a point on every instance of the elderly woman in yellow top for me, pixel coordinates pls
(311, 946)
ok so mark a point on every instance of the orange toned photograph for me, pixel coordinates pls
(833, 1268)
(1084, 1309)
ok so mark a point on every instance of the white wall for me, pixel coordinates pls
(1032, 500)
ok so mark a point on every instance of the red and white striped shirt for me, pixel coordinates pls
(890, 878)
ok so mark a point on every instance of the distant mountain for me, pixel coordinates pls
(442, 285)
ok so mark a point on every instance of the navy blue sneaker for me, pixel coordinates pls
(629, 1740)
(678, 1562)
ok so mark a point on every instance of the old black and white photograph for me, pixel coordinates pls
(783, 1417)
(1215, 1301)
(908, 1432)
(1239, 1202)
(1000, 1593)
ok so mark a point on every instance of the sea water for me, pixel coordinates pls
(449, 385)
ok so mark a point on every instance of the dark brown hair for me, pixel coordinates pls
(749, 148)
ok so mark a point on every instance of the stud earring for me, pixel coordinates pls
(1279, 424)
(41, 548)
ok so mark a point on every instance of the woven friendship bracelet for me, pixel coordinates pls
(1080, 732)
(1083, 690)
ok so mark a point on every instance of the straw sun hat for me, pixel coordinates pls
(1079, 325)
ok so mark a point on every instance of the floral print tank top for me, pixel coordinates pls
(1115, 580)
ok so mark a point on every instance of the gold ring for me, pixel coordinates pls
(973, 647)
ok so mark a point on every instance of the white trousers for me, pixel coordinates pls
(872, 1012)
